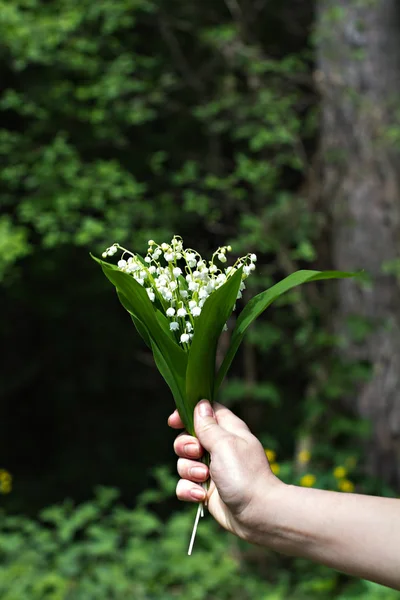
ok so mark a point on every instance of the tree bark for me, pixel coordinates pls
(358, 74)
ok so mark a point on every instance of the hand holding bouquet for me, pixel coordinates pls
(180, 304)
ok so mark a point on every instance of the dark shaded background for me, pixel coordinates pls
(124, 121)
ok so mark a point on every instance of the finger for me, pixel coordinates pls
(189, 491)
(208, 431)
(175, 421)
(192, 470)
(228, 420)
(187, 446)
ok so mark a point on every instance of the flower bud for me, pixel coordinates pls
(203, 293)
(151, 294)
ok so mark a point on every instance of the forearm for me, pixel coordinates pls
(359, 535)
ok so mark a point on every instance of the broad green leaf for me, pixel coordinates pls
(259, 303)
(141, 329)
(201, 363)
(175, 387)
(141, 307)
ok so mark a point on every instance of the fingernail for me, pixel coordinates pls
(197, 494)
(191, 450)
(197, 472)
(205, 409)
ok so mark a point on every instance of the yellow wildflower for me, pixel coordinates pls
(271, 455)
(339, 472)
(308, 480)
(5, 477)
(5, 487)
(275, 468)
(5, 482)
(345, 485)
(304, 457)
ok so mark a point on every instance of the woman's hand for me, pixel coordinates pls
(241, 480)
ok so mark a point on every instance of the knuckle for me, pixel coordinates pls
(208, 426)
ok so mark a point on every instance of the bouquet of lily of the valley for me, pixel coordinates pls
(180, 304)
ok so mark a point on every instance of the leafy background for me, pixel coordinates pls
(124, 120)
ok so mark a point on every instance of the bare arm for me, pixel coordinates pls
(359, 535)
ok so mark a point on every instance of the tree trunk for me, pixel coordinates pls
(358, 49)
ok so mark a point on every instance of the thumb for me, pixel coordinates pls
(205, 424)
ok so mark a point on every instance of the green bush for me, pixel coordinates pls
(103, 550)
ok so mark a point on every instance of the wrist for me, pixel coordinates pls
(261, 520)
(284, 520)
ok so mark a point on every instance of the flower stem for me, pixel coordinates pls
(202, 505)
(194, 531)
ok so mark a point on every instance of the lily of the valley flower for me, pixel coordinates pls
(180, 279)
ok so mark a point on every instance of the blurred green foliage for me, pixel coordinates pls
(110, 130)
(101, 550)
(124, 120)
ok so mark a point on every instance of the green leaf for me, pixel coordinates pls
(176, 388)
(137, 302)
(183, 285)
(259, 303)
(201, 363)
(161, 363)
(140, 327)
(142, 331)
